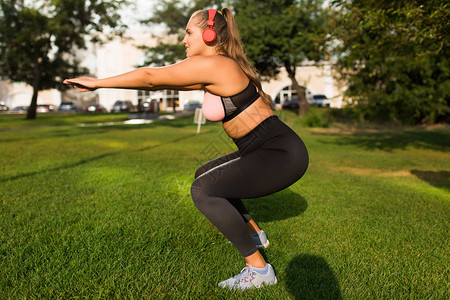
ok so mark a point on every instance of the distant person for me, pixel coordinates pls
(270, 155)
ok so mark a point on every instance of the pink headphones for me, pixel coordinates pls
(209, 35)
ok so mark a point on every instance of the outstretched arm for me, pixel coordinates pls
(191, 73)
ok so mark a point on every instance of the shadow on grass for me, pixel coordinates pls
(65, 132)
(389, 141)
(279, 206)
(440, 179)
(91, 159)
(68, 166)
(310, 277)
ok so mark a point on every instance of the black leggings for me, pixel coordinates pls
(270, 158)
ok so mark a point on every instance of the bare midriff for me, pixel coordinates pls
(247, 120)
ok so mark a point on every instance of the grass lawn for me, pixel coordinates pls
(105, 212)
(59, 119)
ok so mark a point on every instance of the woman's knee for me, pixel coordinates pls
(199, 193)
(199, 172)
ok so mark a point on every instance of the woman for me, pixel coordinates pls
(270, 155)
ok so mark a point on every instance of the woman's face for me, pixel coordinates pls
(193, 40)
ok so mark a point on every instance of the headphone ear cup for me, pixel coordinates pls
(209, 35)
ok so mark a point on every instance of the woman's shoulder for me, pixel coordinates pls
(214, 63)
(212, 59)
(224, 76)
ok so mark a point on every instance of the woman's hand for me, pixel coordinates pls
(83, 84)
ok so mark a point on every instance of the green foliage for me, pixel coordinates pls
(346, 114)
(39, 41)
(173, 15)
(276, 34)
(394, 55)
(283, 34)
(316, 117)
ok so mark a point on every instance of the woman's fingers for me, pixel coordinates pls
(83, 85)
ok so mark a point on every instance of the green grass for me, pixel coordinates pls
(105, 212)
(59, 119)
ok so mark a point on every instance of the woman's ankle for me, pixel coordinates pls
(256, 260)
(252, 227)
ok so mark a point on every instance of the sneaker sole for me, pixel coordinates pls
(264, 284)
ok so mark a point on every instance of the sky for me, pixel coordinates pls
(139, 9)
(131, 14)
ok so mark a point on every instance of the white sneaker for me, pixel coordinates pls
(260, 239)
(248, 278)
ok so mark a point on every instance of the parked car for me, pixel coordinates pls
(192, 105)
(45, 108)
(95, 108)
(3, 107)
(20, 109)
(70, 107)
(123, 105)
(320, 100)
(291, 103)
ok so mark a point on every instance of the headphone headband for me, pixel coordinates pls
(212, 14)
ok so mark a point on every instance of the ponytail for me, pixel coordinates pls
(229, 42)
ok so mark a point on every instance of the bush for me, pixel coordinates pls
(316, 117)
(346, 114)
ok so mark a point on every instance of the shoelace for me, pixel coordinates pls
(245, 275)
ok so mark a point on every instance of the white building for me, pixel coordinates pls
(119, 56)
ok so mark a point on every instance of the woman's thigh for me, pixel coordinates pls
(256, 174)
(216, 162)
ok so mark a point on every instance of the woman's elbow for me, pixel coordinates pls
(148, 77)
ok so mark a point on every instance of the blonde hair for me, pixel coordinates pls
(229, 42)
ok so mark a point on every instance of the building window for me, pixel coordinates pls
(143, 96)
(285, 94)
(172, 98)
(288, 93)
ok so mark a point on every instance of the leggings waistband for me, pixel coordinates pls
(265, 131)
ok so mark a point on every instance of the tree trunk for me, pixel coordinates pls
(31, 113)
(301, 92)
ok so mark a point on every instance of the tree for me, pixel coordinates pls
(394, 56)
(280, 33)
(275, 34)
(38, 42)
(173, 15)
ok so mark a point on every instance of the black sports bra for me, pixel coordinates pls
(234, 105)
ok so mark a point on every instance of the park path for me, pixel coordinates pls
(134, 119)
